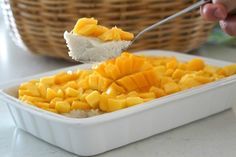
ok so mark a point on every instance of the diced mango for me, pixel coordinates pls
(188, 81)
(160, 71)
(131, 101)
(71, 99)
(60, 93)
(158, 91)
(87, 30)
(50, 110)
(169, 72)
(203, 79)
(126, 35)
(229, 70)
(83, 83)
(50, 94)
(62, 77)
(26, 85)
(196, 64)
(93, 99)
(177, 74)
(103, 83)
(53, 102)
(48, 80)
(127, 83)
(80, 105)
(42, 89)
(116, 104)
(32, 99)
(70, 92)
(171, 87)
(62, 107)
(133, 94)
(172, 64)
(83, 22)
(147, 95)
(42, 104)
(123, 82)
(93, 81)
(114, 90)
(103, 104)
(99, 30)
(165, 80)
(140, 80)
(70, 84)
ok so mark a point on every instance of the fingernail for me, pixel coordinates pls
(219, 14)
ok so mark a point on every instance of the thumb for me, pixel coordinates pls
(214, 12)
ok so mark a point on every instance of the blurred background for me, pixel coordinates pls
(31, 32)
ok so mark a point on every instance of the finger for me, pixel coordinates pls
(214, 12)
(229, 4)
(229, 25)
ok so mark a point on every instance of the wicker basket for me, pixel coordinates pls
(40, 24)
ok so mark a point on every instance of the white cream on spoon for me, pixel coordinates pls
(91, 49)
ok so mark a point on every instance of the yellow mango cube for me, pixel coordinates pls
(87, 30)
(60, 93)
(62, 77)
(127, 83)
(126, 35)
(171, 87)
(172, 64)
(147, 95)
(93, 99)
(188, 81)
(93, 81)
(50, 110)
(114, 90)
(99, 30)
(103, 83)
(169, 72)
(229, 70)
(203, 79)
(112, 34)
(177, 74)
(140, 80)
(48, 80)
(83, 83)
(71, 84)
(196, 64)
(116, 104)
(133, 94)
(62, 107)
(83, 22)
(103, 104)
(158, 91)
(131, 101)
(160, 71)
(80, 105)
(71, 99)
(50, 94)
(26, 85)
(42, 104)
(32, 99)
(70, 92)
(52, 103)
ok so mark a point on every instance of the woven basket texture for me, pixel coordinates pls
(39, 25)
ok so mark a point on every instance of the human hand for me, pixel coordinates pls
(219, 10)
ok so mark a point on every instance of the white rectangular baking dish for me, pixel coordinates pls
(98, 134)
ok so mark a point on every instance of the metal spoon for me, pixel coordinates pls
(186, 10)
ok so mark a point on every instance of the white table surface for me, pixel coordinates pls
(214, 136)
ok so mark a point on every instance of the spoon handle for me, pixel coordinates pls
(190, 8)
